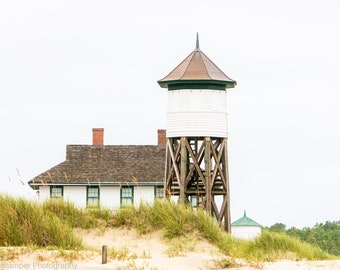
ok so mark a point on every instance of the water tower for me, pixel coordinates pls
(196, 132)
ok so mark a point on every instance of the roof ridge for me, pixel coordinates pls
(205, 67)
(186, 69)
(215, 66)
(198, 50)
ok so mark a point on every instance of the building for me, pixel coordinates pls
(245, 228)
(190, 164)
(196, 131)
(106, 175)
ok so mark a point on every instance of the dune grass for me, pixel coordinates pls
(77, 217)
(178, 220)
(25, 223)
(29, 223)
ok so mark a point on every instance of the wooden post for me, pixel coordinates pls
(104, 254)
(227, 221)
(167, 179)
(208, 180)
(184, 171)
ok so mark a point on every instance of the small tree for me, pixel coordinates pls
(278, 227)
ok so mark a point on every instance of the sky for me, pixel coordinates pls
(69, 66)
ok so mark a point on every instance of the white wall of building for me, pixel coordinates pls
(245, 232)
(44, 193)
(110, 197)
(76, 195)
(144, 194)
(197, 112)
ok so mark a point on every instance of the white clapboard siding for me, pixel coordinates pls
(197, 113)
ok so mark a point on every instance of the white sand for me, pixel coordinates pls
(129, 250)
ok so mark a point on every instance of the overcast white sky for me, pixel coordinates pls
(68, 66)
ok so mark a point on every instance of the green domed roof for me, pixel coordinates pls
(245, 221)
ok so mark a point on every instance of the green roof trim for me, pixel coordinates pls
(245, 221)
(197, 84)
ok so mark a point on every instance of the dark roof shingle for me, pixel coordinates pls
(107, 164)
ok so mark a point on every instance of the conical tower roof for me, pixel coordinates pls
(245, 221)
(197, 71)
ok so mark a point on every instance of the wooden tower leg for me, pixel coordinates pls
(200, 172)
(183, 171)
(227, 218)
(208, 180)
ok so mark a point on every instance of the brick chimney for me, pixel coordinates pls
(161, 137)
(98, 136)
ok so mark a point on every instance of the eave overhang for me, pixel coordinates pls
(106, 184)
(197, 84)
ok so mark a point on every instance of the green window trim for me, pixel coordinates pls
(193, 200)
(92, 196)
(126, 195)
(56, 192)
(158, 192)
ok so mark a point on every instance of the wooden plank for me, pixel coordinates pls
(174, 162)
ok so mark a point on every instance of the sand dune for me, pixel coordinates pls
(130, 250)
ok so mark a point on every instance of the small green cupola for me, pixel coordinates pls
(245, 221)
(197, 71)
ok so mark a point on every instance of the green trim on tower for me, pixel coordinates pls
(196, 84)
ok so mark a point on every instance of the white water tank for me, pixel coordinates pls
(197, 112)
(197, 98)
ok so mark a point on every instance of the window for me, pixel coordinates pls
(193, 201)
(92, 196)
(56, 192)
(159, 192)
(126, 196)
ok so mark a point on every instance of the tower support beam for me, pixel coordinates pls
(183, 171)
(197, 168)
(208, 179)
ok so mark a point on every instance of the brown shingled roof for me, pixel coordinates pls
(196, 67)
(108, 164)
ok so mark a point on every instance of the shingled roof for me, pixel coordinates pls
(107, 164)
(199, 68)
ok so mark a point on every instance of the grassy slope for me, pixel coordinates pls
(50, 224)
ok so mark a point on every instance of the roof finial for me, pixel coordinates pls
(197, 43)
(244, 213)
